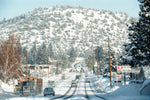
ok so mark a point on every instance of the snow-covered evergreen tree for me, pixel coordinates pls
(42, 55)
(32, 55)
(50, 51)
(139, 48)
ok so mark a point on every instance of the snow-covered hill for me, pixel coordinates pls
(67, 27)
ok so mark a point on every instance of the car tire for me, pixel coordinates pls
(53, 94)
(44, 95)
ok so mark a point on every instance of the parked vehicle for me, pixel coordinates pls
(78, 76)
(118, 83)
(87, 80)
(63, 77)
(51, 83)
(17, 88)
(86, 75)
(28, 86)
(74, 83)
(49, 91)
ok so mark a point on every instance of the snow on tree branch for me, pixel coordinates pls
(10, 61)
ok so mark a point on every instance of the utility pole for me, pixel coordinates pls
(48, 66)
(109, 62)
(97, 62)
(93, 61)
(35, 56)
(26, 63)
(92, 67)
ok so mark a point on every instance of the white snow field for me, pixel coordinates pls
(97, 89)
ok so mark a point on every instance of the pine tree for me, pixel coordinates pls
(100, 53)
(72, 54)
(42, 56)
(50, 51)
(32, 55)
(139, 48)
(113, 61)
(23, 55)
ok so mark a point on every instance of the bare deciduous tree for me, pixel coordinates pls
(10, 61)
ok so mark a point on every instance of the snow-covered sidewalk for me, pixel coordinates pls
(125, 92)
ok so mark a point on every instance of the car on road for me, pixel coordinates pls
(87, 80)
(51, 83)
(86, 75)
(63, 77)
(74, 83)
(49, 91)
(78, 77)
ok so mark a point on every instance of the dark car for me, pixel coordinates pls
(78, 77)
(87, 80)
(74, 83)
(63, 77)
(49, 91)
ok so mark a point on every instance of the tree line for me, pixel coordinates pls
(45, 54)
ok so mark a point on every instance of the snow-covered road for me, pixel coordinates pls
(84, 90)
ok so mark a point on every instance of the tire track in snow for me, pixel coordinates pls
(95, 94)
(67, 92)
(86, 95)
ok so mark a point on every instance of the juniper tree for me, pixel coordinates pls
(139, 48)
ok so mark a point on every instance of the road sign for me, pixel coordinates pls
(119, 76)
(124, 68)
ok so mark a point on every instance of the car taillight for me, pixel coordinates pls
(51, 91)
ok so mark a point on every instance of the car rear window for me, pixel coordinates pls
(73, 81)
(48, 89)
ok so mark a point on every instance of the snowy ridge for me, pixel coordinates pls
(68, 27)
